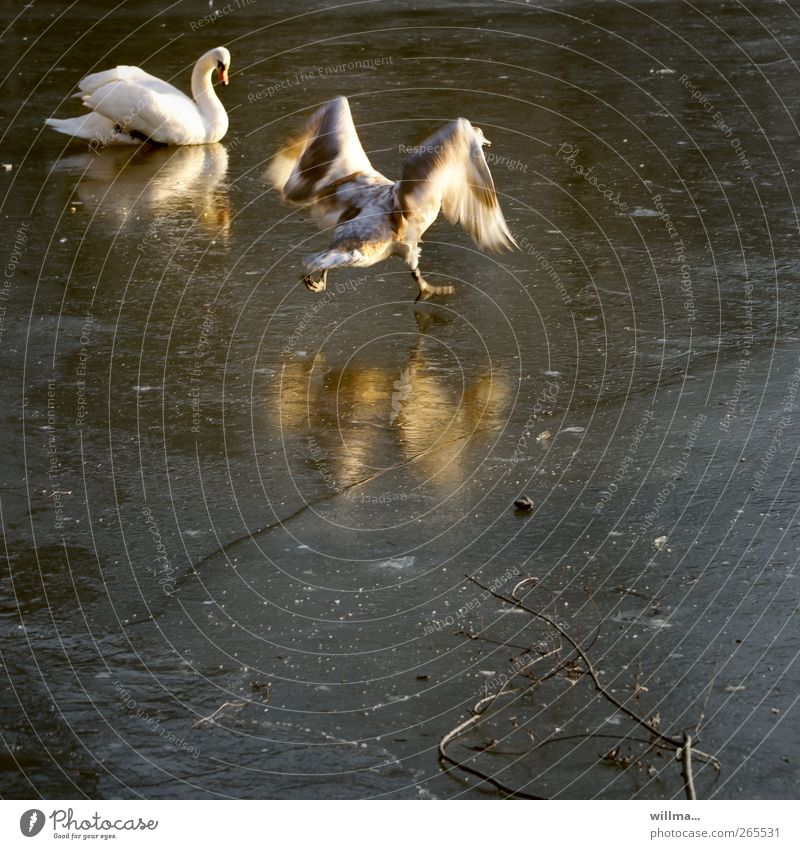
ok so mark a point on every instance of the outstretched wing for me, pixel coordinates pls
(449, 168)
(327, 149)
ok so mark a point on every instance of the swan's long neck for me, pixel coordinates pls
(208, 104)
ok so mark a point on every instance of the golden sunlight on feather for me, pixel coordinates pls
(325, 169)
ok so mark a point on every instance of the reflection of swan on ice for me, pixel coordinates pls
(365, 418)
(154, 183)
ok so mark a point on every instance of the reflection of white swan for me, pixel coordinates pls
(130, 106)
(435, 423)
(154, 183)
(368, 417)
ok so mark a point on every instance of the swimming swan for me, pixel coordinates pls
(130, 106)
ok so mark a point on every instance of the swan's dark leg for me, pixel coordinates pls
(316, 285)
(139, 136)
(427, 290)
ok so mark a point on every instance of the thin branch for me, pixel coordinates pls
(686, 758)
(649, 744)
(468, 724)
(465, 726)
(462, 632)
(515, 601)
(710, 687)
(596, 636)
(207, 720)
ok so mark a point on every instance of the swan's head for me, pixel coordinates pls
(482, 140)
(219, 59)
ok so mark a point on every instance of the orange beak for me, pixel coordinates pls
(223, 75)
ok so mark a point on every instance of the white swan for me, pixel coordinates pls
(130, 106)
(373, 217)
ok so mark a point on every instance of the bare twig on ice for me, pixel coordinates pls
(686, 759)
(208, 720)
(576, 657)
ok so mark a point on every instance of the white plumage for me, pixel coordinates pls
(130, 106)
(373, 218)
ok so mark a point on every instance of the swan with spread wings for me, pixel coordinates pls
(372, 218)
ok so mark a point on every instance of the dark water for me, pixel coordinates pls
(322, 472)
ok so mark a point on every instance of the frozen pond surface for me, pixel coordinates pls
(323, 472)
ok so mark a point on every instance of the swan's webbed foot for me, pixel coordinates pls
(427, 290)
(316, 285)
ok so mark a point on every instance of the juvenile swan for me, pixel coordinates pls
(130, 106)
(373, 218)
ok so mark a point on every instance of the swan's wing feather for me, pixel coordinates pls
(326, 150)
(124, 74)
(449, 168)
(161, 116)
